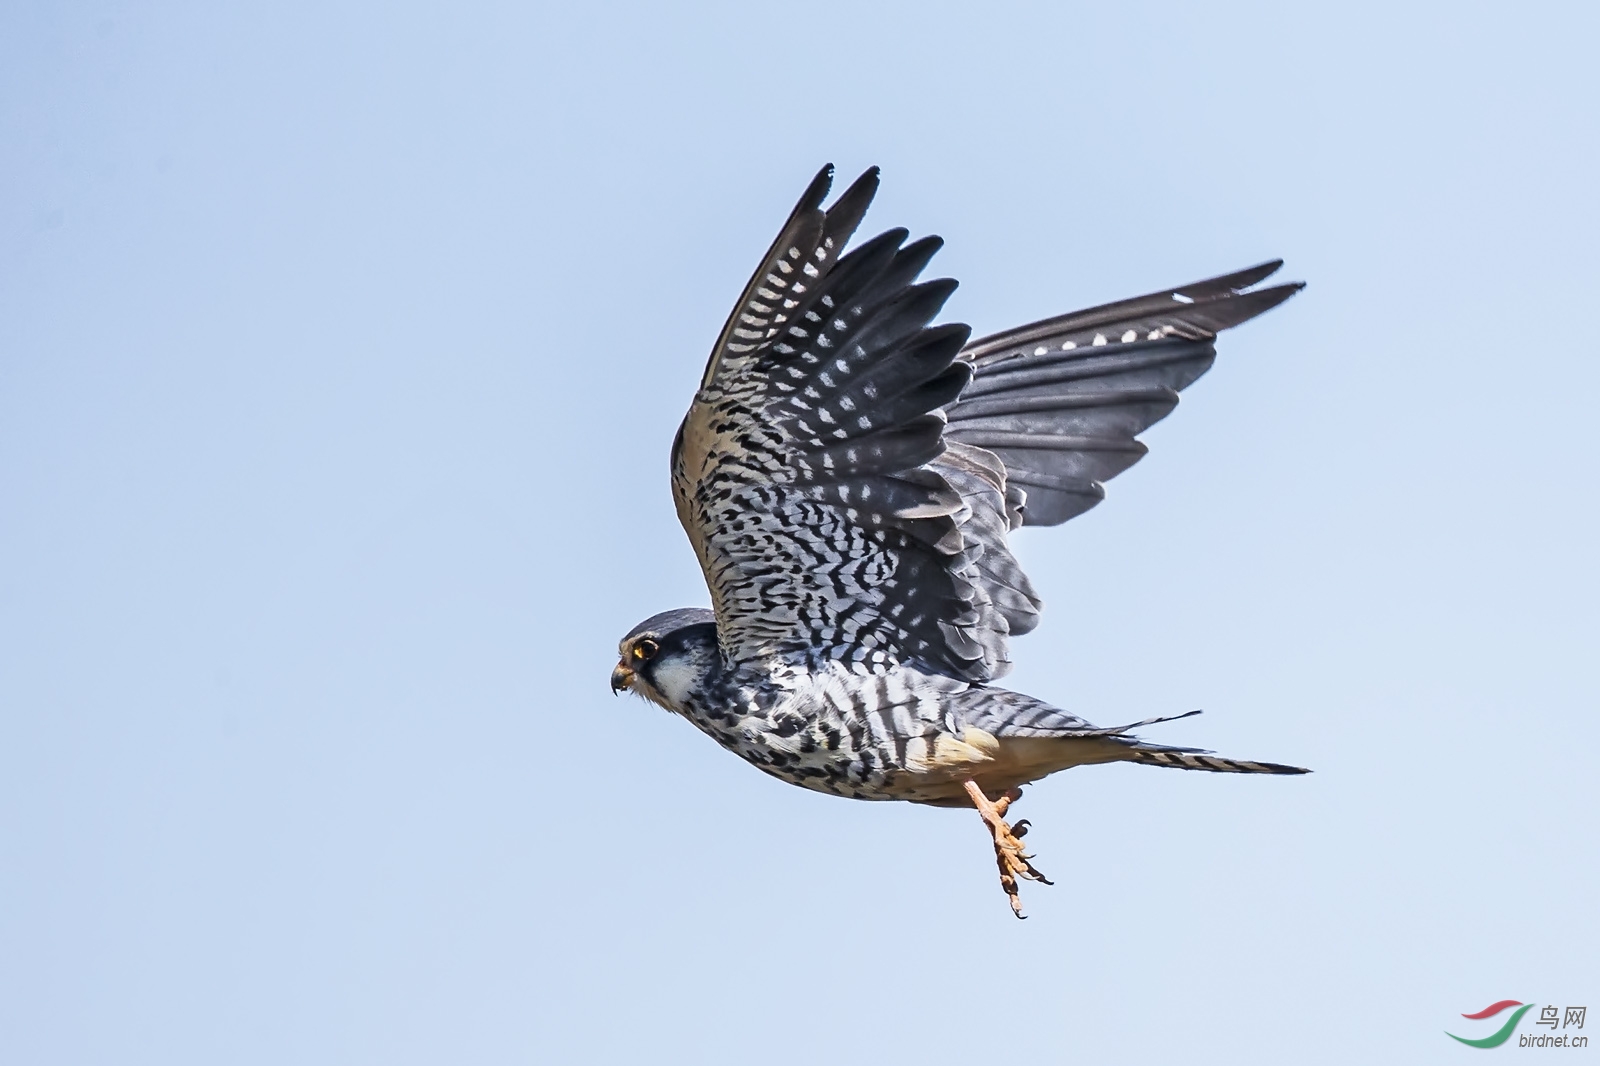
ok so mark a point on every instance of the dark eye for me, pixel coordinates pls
(646, 650)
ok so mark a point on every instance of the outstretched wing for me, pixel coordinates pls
(834, 511)
(811, 475)
(1061, 402)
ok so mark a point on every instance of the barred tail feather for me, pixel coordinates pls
(1191, 760)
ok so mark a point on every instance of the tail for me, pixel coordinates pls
(1011, 715)
(1153, 755)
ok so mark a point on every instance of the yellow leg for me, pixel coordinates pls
(1008, 853)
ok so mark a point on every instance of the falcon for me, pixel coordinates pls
(849, 473)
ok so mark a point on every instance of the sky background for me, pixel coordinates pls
(341, 346)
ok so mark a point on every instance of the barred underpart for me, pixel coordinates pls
(849, 474)
(906, 734)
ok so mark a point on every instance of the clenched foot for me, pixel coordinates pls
(1008, 853)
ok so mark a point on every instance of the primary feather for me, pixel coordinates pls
(849, 473)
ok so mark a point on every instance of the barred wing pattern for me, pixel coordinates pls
(848, 475)
(811, 475)
(1060, 402)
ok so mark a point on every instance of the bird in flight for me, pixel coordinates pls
(848, 475)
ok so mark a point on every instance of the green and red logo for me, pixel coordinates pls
(1501, 1035)
(1567, 1021)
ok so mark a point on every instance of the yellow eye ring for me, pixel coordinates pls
(646, 650)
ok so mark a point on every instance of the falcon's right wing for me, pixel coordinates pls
(811, 475)
(837, 515)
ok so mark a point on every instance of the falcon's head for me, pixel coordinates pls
(668, 657)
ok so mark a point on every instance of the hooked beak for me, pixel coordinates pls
(621, 678)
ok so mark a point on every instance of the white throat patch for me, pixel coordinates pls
(675, 678)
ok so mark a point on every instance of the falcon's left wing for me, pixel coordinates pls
(1061, 402)
(811, 475)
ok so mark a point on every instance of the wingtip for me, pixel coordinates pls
(1263, 271)
(849, 209)
(1223, 284)
(854, 200)
(866, 185)
(1264, 300)
(817, 191)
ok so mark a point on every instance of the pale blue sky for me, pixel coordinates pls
(340, 350)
